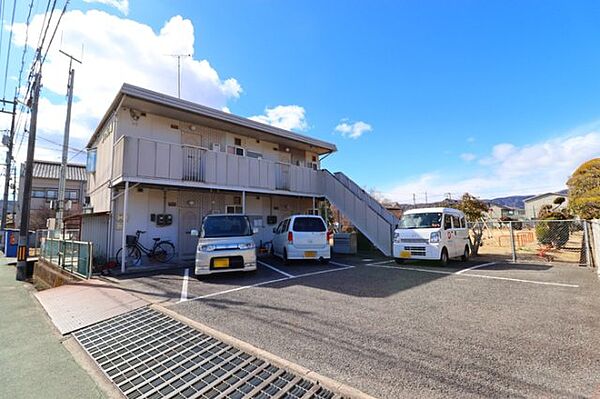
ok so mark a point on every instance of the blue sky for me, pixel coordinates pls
(494, 98)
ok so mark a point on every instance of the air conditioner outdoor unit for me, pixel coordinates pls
(216, 147)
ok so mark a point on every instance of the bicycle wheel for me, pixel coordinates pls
(164, 252)
(133, 256)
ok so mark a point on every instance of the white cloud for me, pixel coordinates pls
(468, 156)
(119, 50)
(288, 117)
(121, 5)
(508, 170)
(353, 130)
(470, 140)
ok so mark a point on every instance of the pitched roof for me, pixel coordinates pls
(170, 102)
(51, 170)
(562, 193)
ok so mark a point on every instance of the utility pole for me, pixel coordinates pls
(426, 198)
(8, 164)
(23, 249)
(65, 150)
(178, 56)
(414, 199)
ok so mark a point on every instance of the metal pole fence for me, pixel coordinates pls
(512, 242)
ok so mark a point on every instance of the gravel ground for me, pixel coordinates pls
(414, 333)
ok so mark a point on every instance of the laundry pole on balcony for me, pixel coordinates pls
(244, 202)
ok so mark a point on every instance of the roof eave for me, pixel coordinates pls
(188, 106)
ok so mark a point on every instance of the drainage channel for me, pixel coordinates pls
(148, 354)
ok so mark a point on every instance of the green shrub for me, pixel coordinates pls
(542, 232)
(552, 232)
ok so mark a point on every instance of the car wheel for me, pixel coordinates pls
(286, 261)
(399, 261)
(444, 257)
(465, 256)
(323, 261)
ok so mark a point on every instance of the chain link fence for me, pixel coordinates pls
(555, 241)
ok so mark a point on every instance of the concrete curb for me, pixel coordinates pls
(325, 382)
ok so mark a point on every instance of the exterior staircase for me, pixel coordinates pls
(364, 211)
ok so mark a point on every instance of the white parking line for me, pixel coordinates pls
(184, 285)
(274, 269)
(476, 267)
(383, 262)
(273, 281)
(415, 269)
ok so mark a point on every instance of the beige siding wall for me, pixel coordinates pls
(98, 182)
(188, 208)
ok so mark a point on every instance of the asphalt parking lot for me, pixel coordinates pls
(464, 330)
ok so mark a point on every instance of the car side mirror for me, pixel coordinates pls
(194, 233)
(275, 230)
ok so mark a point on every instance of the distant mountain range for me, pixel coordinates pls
(513, 201)
(516, 201)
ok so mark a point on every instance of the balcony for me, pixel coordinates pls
(175, 164)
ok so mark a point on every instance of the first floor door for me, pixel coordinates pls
(189, 219)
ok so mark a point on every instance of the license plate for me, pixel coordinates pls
(223, 262)
(310, 254)
(405, 254)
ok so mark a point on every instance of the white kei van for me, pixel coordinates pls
(432, 234)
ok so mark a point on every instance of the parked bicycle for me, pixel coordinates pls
(162, 250)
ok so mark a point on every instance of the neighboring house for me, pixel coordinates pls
(170, 162)
(497, 211)
(537, 202)
(44, 191)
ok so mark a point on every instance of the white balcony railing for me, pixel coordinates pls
(151, 159)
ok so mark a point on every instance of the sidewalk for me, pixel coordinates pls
(34, 362)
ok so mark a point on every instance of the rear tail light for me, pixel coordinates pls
(329, 235)
(290, 237)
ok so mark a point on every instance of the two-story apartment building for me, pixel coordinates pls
(44, 192)
(159, 164)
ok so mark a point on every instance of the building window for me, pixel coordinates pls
(252, 154)
(90, 165)
(235, 150)
(38, 193)
(235, 209)
(237, 142)
(51, 194)
(72, 195)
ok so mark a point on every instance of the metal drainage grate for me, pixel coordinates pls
(150, 355)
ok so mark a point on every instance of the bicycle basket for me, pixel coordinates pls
(130, 240)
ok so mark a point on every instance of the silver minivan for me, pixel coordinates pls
(302, 237)
(225, 245)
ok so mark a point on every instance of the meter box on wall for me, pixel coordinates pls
(164, 219)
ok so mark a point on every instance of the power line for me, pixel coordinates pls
(44, 32)
(1, 21)
(55, 29)
(27, 23)
(12, 23)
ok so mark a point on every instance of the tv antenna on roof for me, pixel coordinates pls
(178, 56)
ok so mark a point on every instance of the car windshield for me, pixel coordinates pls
(226, 226)
(308, 224)
(420, 221)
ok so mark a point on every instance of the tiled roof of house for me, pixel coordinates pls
(51, 170)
